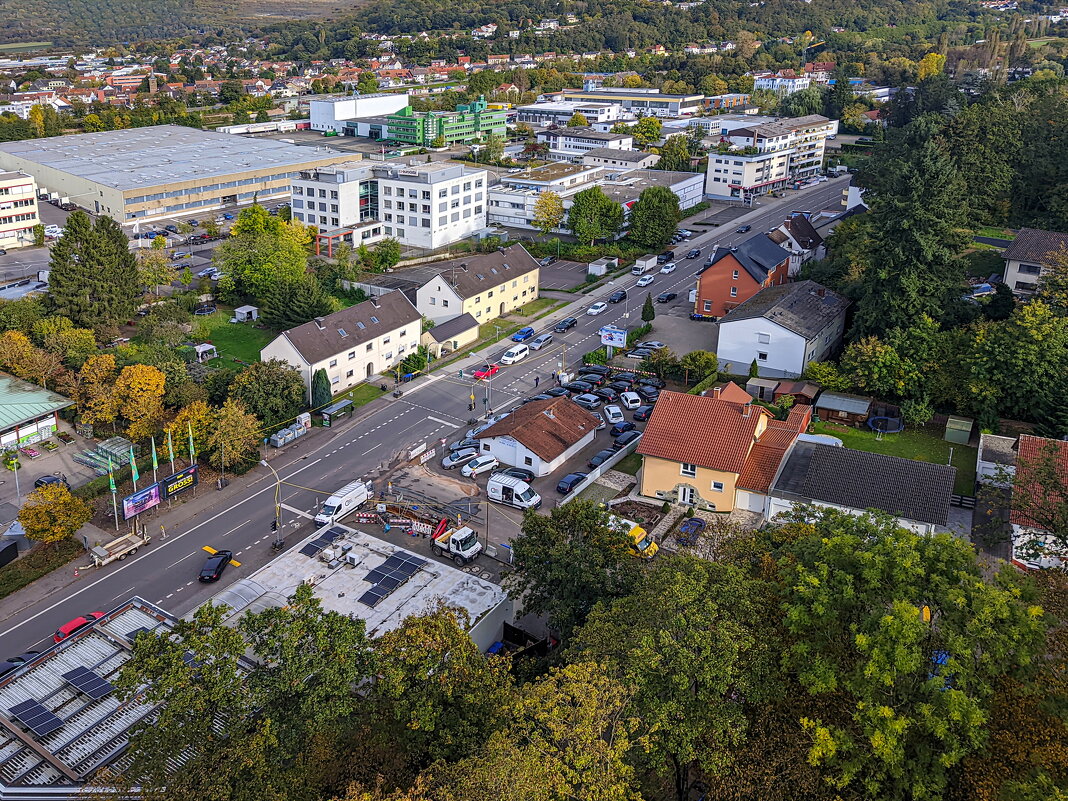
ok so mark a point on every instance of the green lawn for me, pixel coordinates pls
(241, 341)
(993, 232)
(535, 306)
(496, 330)
(918, 444)
(629, 464)
(359, 395)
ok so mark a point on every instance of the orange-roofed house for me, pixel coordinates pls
(1038, 503)
(719, 451)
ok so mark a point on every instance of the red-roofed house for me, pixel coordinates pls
(713, 451)
(1038, 504)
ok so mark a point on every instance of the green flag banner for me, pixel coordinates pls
(133, 465)
(155, 462)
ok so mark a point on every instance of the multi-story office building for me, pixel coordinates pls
(570, 144)
(428, 206)
(18, 209)
(640, 102)
(331, 113)
(470, 122)
(763, 158)
(165, 171)
(561, 113)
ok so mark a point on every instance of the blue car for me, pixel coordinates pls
(523, 334)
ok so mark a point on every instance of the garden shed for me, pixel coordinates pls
(206, 352)
(246, 314)
(838, 407)
(958, 430)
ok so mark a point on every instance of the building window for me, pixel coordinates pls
(708, 306)
(764, 339)
(333, 362)
(1030, 269)
(717, 486)
(689, 470)
(352, 354)
(444, 303)
(387, 190)
(370, 346)
(762, 356)
(433, 301)
(734, 291)
(528, 461)
(348, 374)
(735, 276)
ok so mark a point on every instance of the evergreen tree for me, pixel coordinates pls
(320, 389)
(654, 216)
(648, 310)
(93, 277)
(293, 301)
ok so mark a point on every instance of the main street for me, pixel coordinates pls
(434, 407)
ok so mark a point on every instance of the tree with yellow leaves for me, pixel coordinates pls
(52, 514)
(930, 65)
(196, 418)
(234, 435)
(139, 395)
(94, 390)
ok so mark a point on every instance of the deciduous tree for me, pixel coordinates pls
(646, 131)
(51, 513)
(138, 394)
(674, 155)
(593, 215)
(261, 252)
(653, 217)
(271, 390)
(578, 120)
(234, 435)
(548, 212)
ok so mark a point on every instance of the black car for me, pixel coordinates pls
(44, 481)
(609, 394)
(566, 323)
(569, 482)
(623, 440)
(172, 228)
(543, 396)
(693, 254)
(601, 457)
(557, 392)
(595, 369)
(627, 376)
(621, 428)
(593, 379)
(15, 662)
(642, 413)
(517, 472)
(618, 296)
(641, 354)
(620, 386)
(578, 387)
(652, 381)
(214, 566)
(648, 393)
(745, 229)
(665, 257)
(666, 297)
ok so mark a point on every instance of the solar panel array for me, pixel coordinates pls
(391, 574)
(88, 682)
(327, 538)
(35, 718)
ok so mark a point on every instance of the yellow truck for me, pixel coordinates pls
(641, 542)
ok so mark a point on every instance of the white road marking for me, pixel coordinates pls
(296, 511)
(443, 422)
(172, 564)
(235, 528)
(371, 449)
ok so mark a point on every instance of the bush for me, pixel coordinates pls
(39, 561)
(599, 356)
(703, 385)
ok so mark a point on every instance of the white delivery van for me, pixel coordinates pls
(512, 491)
(643, 265)
(515, 354)
(347, 499)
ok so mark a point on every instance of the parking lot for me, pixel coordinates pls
(563, 275)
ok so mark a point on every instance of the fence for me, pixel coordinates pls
(600, 470)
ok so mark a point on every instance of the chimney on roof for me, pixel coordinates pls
(748, 407)
(715, 392)
(821, 292)
(374, 300)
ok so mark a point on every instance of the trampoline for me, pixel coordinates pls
(886, 425)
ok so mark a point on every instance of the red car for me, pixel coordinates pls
(487, 371)
(79, 623)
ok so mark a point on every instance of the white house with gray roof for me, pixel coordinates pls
(351, 345)
(783, 328)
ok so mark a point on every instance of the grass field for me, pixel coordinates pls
(630, 464)
(359, 395)
(18, 46)
(923, 446)
(240, 341)
(994, 232)
(534, 307)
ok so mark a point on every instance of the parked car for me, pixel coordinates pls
(666, 297)
(623, 440)
(569, 482)
(588, 401)
(645, 280)
(205, 272)
(745, 229)
(669, 267)
(607, 393)
(652, 344)
(593, 379)
(523, 334)
(76, 625)
(601, 457)
(474, 432)
(652, 381)
(45, 481)
(547, 261)
(597, 308)
(624, 375)
(596, 369)
(565, 324)
(620, 386)
(540, 341)
(465, 444)
(642, 413)
(3, 252)
(487, 371)
(172, 228)
(618, 296)
(480, 464)
(578, 387)
(639, 355)
(694, 253)
(535, 398)
(15, 662)
(601, 424)
(613, 414)
(457, 458)
(214, 566)
(557, 392)
(518, 472)
(622, 427)
(649, 393)
(630, 400)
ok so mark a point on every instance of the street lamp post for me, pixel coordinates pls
(276, 524)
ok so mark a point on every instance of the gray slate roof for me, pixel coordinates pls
(618, 155)
(858, 480)
(1035, 245)
(487, 270)
(758, 255)
(796, 307)
(450, 328)
(841, 402)
(343, 330)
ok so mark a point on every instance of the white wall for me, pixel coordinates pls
(438, 301)
(331, 114)
(508, 450)
(740, 343)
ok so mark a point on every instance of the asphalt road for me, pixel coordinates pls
(166, 571)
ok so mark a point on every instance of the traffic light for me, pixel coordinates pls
(274, 525)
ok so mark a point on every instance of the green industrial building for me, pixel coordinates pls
(470, 122)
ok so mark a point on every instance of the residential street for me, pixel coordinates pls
(238, 518)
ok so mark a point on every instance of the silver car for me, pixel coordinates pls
(540, 341)
(458, 458)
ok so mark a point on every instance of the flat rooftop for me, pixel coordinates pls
(342, 586)
(547, 172)
(140, 158)
(629, 185)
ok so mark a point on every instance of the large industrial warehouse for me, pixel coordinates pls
(143, 174)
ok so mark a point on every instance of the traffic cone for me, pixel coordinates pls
(76, 574)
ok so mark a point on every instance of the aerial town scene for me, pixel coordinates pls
(601, 400)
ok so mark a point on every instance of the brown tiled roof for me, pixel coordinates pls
(731, 392)
(1031, 453)
(769, 451)
(1032, 244)
(546, 427)
(705, 431)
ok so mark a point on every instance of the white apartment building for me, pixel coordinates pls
(351, 345)
(426, 206)
(570, 144)
(331, 113)
(561, 113)
(18, 209)
(762, 158)
(783, 82)
(641, 102)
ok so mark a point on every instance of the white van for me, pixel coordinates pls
(512, 491)
(515, 354)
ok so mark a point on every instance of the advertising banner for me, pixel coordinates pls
(616, 337)
(179, 482)
(140, 501)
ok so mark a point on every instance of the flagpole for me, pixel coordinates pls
(134, 475)
(155, 462)
(114, 500)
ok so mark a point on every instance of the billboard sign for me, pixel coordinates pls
(140, 501)
(179, 482)
(614, 337)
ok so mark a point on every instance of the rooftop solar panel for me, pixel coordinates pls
(372, 596)
(311, 549)
(376, 575)
(35, 718)
(88, 682)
